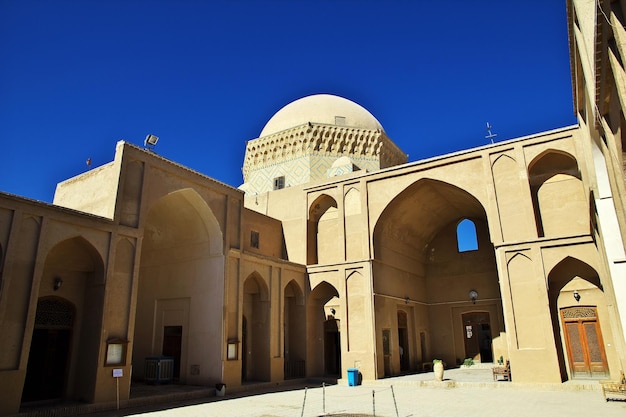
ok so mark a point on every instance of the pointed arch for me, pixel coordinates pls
(256, 334)
(513, 218)
(294, 315)
(576, 298)
(79, 269)
(559, 199)
(323, 331)
(182, 266)
(322, 231)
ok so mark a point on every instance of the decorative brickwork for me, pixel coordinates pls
(306, 153)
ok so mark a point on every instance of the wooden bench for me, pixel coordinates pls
(502, 371)
(614, 388)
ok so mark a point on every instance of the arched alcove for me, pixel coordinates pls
(418, 266)
(295, 331)
(180, 290)
(322, 231)
(256, 334)
(577, 304)
(62, 355)
(559, 199)
(323, 331)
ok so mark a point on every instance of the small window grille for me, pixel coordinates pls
(279, 183)
(254, 239)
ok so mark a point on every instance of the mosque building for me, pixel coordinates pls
(335, 253)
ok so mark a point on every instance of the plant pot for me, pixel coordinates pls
(220, 390)
(438, 369)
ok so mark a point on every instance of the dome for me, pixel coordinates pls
(321, 108)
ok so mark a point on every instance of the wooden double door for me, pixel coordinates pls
(583, 339)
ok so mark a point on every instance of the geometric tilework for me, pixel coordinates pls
(306, 153)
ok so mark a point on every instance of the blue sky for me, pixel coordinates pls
(205, 76)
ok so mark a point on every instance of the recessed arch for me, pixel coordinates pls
(322, 231)
(419, 212)
(559, 199)
(418, 266)
(181, 267)
(294, 315)
(72, 283)
(576, 298)
(257, 329)
(323, 331)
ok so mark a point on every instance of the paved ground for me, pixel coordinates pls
(465, 392)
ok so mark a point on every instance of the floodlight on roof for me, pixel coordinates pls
(150, 141)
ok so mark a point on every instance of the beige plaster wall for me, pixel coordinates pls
(93, 192)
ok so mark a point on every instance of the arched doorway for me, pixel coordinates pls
(48, 360)
(324, 331)
(256, 333)
(295, 332)
(332, 347)
(67, 329)
(577, 307)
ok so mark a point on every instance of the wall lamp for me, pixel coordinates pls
(473, 295)
(332, 311)
(576, 296)
(58, 283)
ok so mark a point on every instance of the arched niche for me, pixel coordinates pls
(559, 199)
(323, 231)
(180, 289)
(323, 331)
(578, 313)
(257, 329)
(294, 315)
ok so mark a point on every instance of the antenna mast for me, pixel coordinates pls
(490, 135)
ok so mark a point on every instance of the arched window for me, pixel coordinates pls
(466, 238)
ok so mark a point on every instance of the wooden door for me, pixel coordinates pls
(583, 339)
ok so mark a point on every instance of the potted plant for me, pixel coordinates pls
(438, 369)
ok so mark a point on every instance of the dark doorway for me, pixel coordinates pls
(387, 351)
(583, 338)
(244, 349)
(403, 341)
(172, 346)
(477, 335)
(332, 347)
(48, 359)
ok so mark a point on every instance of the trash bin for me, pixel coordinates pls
(353, 377)
(220, 390)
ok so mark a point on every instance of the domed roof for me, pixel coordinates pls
(321, 108)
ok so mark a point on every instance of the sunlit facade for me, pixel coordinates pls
(334, 253)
